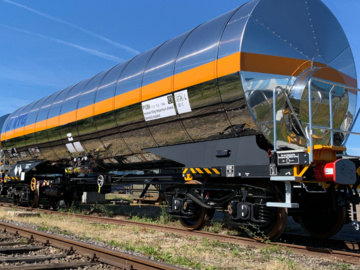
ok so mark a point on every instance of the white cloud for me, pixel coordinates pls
(88, 50)
(118, 45)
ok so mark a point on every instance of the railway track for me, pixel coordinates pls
(18, 252)
(346, 251)
(94, 254)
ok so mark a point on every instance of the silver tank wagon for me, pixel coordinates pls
(223, 74)
(253, 107)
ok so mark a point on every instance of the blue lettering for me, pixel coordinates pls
(21, 121)
(8, 127)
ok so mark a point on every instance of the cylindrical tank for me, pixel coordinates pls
(215, 81)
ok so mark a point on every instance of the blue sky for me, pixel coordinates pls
(46, 46)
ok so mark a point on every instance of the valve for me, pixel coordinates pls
(356, 225)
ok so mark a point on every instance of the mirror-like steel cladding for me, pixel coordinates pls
(229, 67)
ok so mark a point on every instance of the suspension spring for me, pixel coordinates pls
(264, 214)
(190, 207)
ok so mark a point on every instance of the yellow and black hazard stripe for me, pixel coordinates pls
(189, 172)
(201, 171)
(8, 178)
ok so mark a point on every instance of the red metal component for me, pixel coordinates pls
(340, 171)
(325, 172)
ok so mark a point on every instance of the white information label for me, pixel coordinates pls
(70, 147)
(182, 102)
(329, 171)
(158, 108)
(22, 176)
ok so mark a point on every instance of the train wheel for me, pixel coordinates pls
(35, 201)
(279, 217)
(202, 217)
(195, 223)
(35, 194)
(323, 224)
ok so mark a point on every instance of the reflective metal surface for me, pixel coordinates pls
(304, 30)
(105, 123)
(201, 45)
(229, 67)
(130, 119)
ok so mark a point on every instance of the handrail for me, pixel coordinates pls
(310, 126)
(352, 126)
(308, 132)
(310, 138)
(331, 115)
(336, 84)
(274, 114)
(274, 118)
(336, 130)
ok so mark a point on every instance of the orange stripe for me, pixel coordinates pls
(104, 106)
(29, 129)
(52, 122)
(289, 66)
(225, 66)
(195, 76)
(40, 125)
(128, 98)
(269, 64)
(67, 118)
(158, 88)
(85, 112)
(18, 132)
(228, 65)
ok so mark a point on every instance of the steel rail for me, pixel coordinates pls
(104, 255)
(350, 257)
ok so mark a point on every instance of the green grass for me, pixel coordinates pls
(156, 253)
(164, 218)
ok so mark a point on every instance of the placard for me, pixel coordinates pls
(182, 101)
(158, 108)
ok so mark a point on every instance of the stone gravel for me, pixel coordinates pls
(47, 251)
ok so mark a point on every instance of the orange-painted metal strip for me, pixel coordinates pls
(218, 68)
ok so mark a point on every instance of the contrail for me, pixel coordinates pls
(118, 45)
(90, 51)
